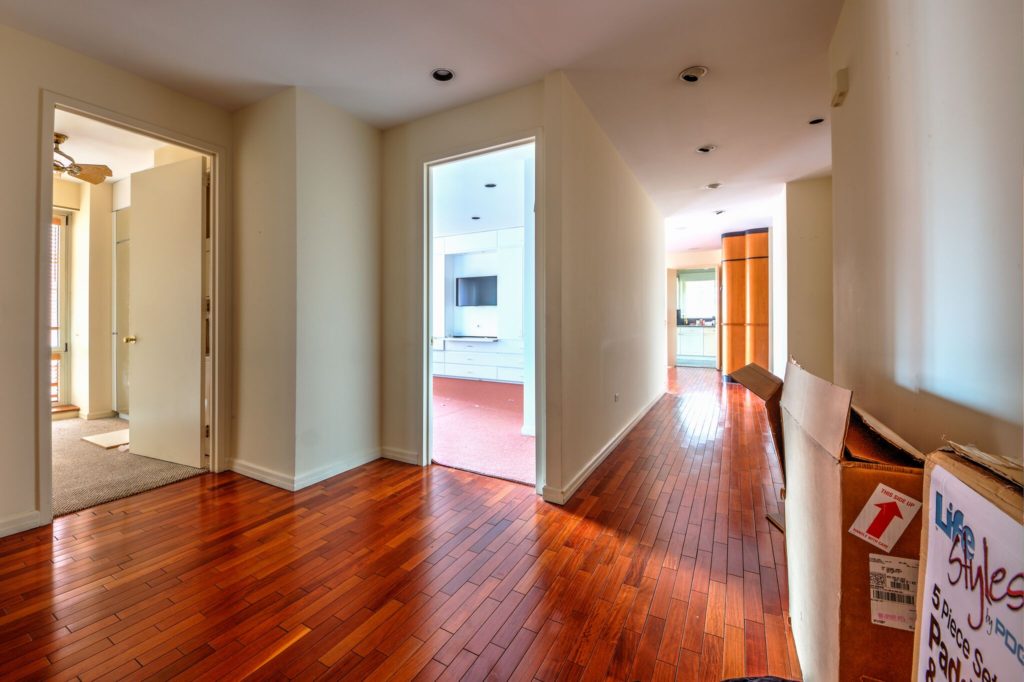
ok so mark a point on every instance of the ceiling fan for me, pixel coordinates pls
(94, 173)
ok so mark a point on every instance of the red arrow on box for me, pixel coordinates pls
(887, 511)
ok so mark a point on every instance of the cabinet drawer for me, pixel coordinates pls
(437, 369)
(461, 357)
(510, 374)
(471, 358)
(508, 360)
(437, 356)
(470, 371)
(499, 346)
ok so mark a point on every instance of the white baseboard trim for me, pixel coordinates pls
(99, 415)
(399, 455)
(19, 522)
(304, 479)
(562, 495)
(333, 469)
(262, 474)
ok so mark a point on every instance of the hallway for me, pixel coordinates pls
(661, 567)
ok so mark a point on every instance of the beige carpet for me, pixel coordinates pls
(85, 475)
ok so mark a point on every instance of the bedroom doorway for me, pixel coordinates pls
(481, 355)
(130, 302)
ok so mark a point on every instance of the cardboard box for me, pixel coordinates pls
(768, 388)
(853, 523)
(971, 585)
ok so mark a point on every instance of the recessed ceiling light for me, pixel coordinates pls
(720, 211)
(693, 74)
(713, 185)
(490, 184)
(476, 217)
(443, 75)
(816, 121)
(706, 148)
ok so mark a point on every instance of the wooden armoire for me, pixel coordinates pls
(744, 322)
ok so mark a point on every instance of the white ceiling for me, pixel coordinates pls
(91, 141)
(458, 192)
(373, 57)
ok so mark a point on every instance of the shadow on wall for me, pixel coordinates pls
(939, 417)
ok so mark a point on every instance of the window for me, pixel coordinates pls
(58, 310)
(697, 294)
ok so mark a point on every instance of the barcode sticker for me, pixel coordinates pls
(893, 582)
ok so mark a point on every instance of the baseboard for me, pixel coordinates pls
(562, 495)
(263, 474)
(399, 455)
(305, 479)
(61, 416)
(19, 522)
(99, 415)
(333, 469)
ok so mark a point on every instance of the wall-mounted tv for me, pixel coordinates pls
(475, 291)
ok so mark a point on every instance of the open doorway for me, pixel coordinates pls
(130, 302)
(697, 304)
(481, 357)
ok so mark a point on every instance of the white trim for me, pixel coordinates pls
(99, 415)
(303, 480)
(333, 469)
(262, 474)
(399, 455)
(19, 522)
(534, 136)
(562, 495)
(219, 276)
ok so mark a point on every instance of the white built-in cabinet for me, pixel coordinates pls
(494, 252)
(696, 341)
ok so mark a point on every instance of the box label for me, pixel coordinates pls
(972, 610)
(893, 591)
(883, 519)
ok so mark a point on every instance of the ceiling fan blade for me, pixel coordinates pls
(93, 173)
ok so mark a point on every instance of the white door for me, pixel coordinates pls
(165, 286)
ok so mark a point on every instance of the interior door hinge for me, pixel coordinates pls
(207, 430)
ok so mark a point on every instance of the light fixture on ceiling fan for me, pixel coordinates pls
(94, 173)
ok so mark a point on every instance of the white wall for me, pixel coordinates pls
(66, 194)
(809, 281)
(605, 292)
(337, 294)
(600, 266)
(265, 286)
(684, 260)
(43, 65)
(90, 285)
(927, 169)
(514, 115)
(307, 320)
(778, 288)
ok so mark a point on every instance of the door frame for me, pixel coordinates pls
(539, 383)
(219, 273)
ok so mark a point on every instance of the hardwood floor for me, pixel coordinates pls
(661, 567)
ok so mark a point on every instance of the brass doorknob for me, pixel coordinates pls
(130, 339)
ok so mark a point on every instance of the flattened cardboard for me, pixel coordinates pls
(768, 388)
(831, 473)
(993, 479)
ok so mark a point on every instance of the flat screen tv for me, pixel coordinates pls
(474, 291)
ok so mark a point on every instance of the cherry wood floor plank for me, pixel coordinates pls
(660, 567)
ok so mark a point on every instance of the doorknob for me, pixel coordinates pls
(130, 339)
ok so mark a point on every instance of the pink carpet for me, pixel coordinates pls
(477, 428)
